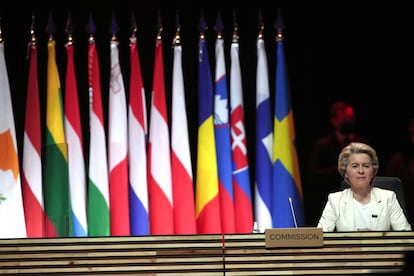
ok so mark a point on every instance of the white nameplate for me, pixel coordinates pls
(294, 237)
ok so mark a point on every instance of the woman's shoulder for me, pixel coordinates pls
(382, 190)
(340, 194)
(382, 193)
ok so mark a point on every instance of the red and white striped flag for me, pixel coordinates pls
(160, 187)
(32, 160)
(182, 176)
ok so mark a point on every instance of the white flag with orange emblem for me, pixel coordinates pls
(11, 202)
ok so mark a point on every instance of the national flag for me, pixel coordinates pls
(118, 142)
(137, 147)
(287, 186)
(264, 142)
(98, 181)
(243, 209)
(12, 215)
(207, 188)
(76, 161)
(32, 154)
(223, 140)
(55, 166)
(160, 186)
(182, 176)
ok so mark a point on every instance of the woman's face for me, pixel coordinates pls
(359, 171)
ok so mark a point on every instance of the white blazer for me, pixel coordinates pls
(387, 214)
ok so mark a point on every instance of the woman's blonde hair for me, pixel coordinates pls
(353, 148)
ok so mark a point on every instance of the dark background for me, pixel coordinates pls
(334, 50)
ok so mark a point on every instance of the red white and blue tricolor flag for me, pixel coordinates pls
(76, 162)
(137, 147)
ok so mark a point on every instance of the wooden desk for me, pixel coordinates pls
(342, 253)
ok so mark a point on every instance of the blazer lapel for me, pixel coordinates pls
(347, 210)
(376, 209)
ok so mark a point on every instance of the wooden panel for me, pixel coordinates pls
(342, 253)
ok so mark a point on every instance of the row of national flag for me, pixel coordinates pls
(138, 179)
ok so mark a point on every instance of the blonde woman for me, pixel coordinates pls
(361, 207)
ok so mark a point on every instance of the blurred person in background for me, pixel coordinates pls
(322, 167)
